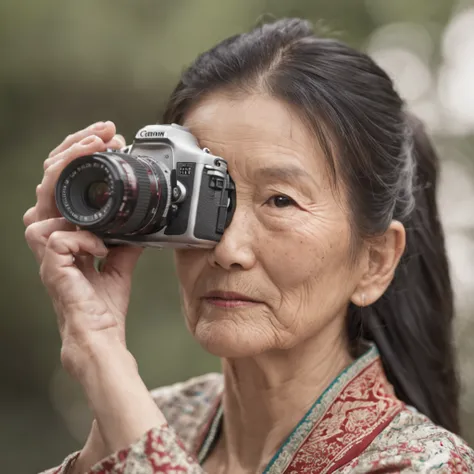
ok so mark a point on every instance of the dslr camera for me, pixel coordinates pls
(161, 191)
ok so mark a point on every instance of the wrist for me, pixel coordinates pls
(117, 396)
(105, 356)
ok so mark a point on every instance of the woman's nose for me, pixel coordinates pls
(235, 251)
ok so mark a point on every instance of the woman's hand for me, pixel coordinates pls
(91, 306)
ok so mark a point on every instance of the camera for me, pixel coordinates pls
(161, 191)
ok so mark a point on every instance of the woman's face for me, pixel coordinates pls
(281, 272)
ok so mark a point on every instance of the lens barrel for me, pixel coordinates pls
(114, 193)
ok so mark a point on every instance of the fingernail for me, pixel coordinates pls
(99, 126)
(88, 140)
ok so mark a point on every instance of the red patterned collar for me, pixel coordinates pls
(344, 420)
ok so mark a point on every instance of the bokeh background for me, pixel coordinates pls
(67, 64)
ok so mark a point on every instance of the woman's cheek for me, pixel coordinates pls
(291, 260)
(189, 265)
(190, 310)
(306, 252)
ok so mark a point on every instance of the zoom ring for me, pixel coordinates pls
(142, 199)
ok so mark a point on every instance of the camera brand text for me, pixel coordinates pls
(148, 134)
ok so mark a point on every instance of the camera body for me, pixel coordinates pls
(161, 191)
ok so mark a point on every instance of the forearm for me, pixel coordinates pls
(94, 450)
(123, 408)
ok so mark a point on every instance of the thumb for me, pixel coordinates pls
(122, 260)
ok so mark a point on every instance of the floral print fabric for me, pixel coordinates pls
(356, 426)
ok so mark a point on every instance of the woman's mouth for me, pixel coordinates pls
(229, 299)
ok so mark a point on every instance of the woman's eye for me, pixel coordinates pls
(281, 201)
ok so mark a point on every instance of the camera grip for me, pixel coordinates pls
(210, 215)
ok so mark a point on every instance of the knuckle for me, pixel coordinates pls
(28, 216)
(40, 191)
(47, 163)
(91, 139)
(120, 139)
(53, 165)
(47, 172)
(68, 140)
(55, 236)
(34, 234)
(76, 149)
(68, 151)
(55, 239)
(30, 233)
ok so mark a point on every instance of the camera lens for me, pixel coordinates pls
(97, 194)
(114, 193)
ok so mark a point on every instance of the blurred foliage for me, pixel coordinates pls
(68, 64)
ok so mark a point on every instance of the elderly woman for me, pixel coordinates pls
(328, 298)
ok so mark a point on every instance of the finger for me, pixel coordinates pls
(73, 296)
(37, 234)
(104, 130)
(117, 142)
(30, 216)
(122, 261)
(58, 270)
(105, 135)
(46, 206)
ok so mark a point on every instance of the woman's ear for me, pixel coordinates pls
(384, 253)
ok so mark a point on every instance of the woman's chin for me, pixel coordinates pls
(223, 339)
